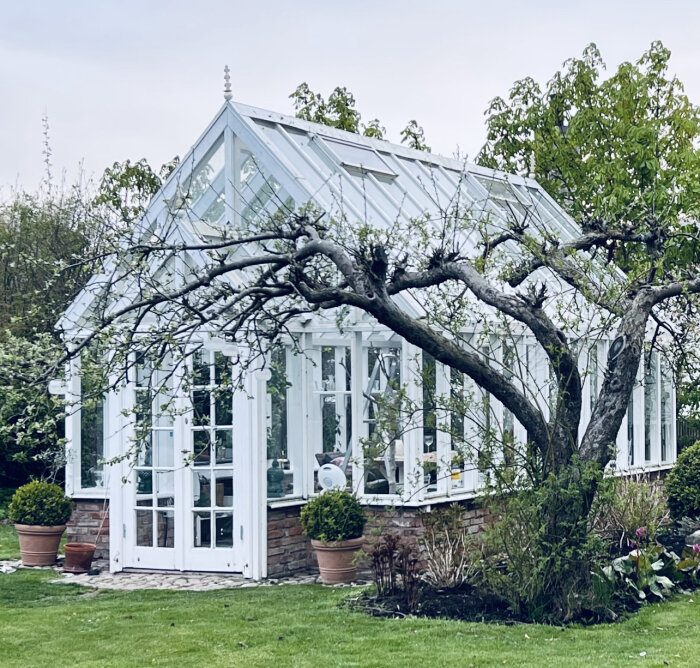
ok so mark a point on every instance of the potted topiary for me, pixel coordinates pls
(40, 511)
(334, 521)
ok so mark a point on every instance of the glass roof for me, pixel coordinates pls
(378, 182)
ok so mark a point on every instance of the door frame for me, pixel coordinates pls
(248, 555)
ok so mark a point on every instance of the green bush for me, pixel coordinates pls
(625, 504)
(333, 515)
(683, 484)
(40, 504)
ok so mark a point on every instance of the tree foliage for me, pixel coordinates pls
(611, 150)
(339, 111)
(31, 420)
(617, 152)
(43, 245)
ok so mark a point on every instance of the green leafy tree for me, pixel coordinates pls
(127, 187)
(31, 420)
(618, 153)
(339, 111)
(43, 243)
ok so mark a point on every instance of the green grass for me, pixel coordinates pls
(9, 543)
(64, 625)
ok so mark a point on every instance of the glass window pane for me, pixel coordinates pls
(224, 446)
(143, 371)
(224, 408)
(202, 529)
(164, 449)
(202, 447)
(200, 368)
(144, 528)
(201, 406)
(224, 489)
(165, 483)
(222, 369)
(201, 489)
(166, 528)
(651, 415)
(144, 482)
(91, 441)
(224, 529)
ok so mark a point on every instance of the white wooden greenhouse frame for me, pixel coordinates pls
(247, 163)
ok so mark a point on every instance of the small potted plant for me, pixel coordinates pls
(335, 521)
(39, 511)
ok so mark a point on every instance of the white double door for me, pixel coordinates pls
(185, 505)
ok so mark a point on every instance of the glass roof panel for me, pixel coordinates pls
(358, 157)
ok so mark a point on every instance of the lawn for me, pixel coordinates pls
(9, 543)
(64, 625)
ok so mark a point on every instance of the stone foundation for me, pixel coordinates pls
(86, 525)
(289, 550)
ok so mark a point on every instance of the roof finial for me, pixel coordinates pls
(227, 84)
(532, 164)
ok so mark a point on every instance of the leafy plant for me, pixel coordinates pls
(447, 547)
(646, 571)
(40, 503)
(31, 420)
(332, 516)
(683, 484)
(394, 560)
(625, 504)
(382, 557)
(540, 567)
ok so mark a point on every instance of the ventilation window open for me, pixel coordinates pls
(358, 157)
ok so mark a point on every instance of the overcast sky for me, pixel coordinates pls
(135, 79)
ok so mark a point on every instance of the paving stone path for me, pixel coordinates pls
(131, 580)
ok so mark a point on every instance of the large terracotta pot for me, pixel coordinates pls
(78, 557)
(39, 545)
(335, 560)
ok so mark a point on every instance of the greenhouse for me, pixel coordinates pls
(220, 482)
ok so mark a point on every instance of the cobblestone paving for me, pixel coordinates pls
(131, 580)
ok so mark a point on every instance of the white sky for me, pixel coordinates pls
(142, 78)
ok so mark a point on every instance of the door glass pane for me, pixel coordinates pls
(202, 529)
(224, 489)
(144, 482)
(224, 413)
(201, 489)
(202, 455)
(163, 447)
(200, 404)
(224, 529)
(166, 528)
(224, 446)
(144, 528)
(165, 484)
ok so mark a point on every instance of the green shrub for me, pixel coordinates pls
(683, 484)
(40, 504)
(625, 504)
(333, 515)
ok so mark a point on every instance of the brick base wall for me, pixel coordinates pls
(86, 525)
(289, 550)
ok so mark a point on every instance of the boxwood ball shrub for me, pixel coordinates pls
(683, 484)
(40, 504)
(333, 516)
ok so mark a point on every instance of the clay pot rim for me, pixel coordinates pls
(350, 542)
(81, 546)
(22, 527)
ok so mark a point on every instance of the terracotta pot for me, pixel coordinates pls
(78, 557)
(39, 545)
(335, 560)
